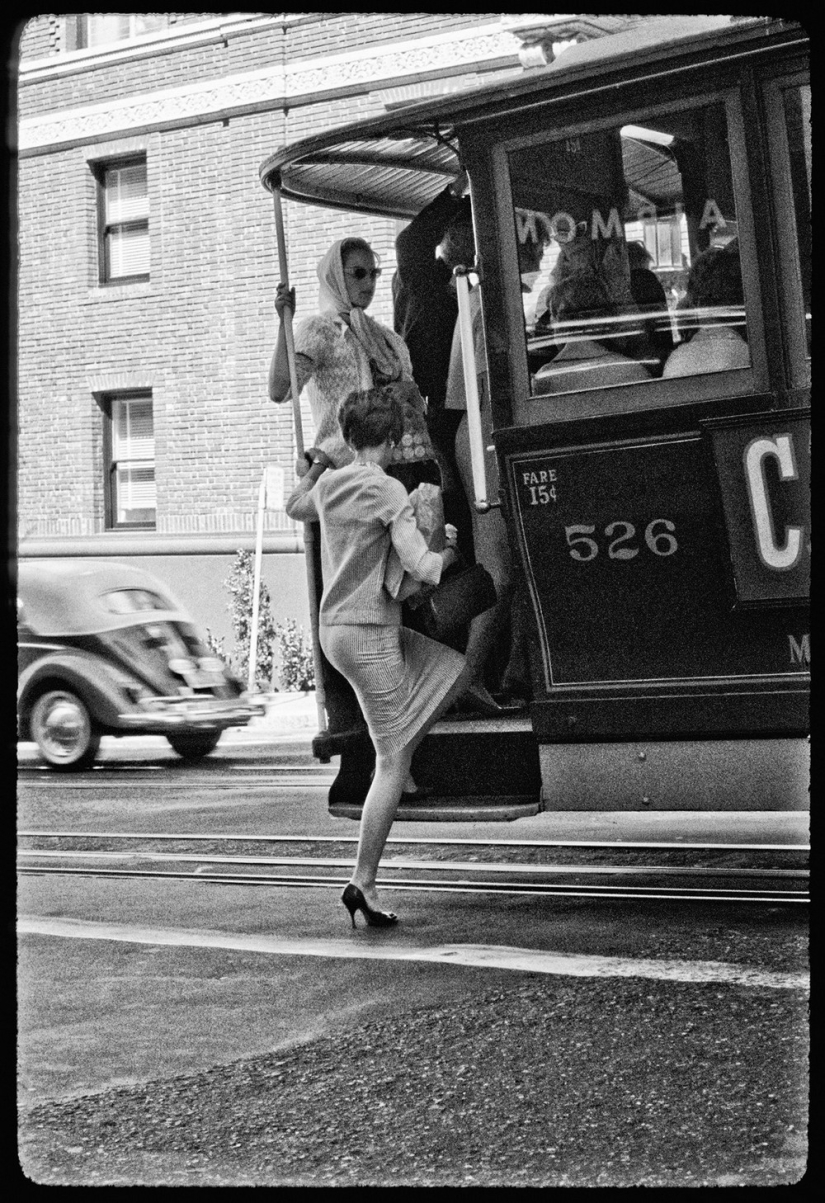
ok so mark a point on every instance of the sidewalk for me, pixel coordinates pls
(286, 714)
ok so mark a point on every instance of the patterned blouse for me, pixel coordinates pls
(339, 366)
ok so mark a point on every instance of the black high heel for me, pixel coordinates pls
(354, 900)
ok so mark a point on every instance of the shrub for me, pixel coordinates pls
(240, 584)
(216, 646)
(297, 669)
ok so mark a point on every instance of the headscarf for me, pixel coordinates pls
(371, 335)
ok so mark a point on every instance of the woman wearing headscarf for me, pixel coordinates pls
(340, 350)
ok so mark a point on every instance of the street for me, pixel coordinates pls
(186, 1032)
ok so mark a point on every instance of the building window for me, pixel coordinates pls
(130, 461)
(124, 221)
(87, 30)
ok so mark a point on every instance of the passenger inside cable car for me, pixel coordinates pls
(581, 308)
(713, 336)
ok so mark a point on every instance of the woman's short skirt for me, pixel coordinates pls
(399, 676)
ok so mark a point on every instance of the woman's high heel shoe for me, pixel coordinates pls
(354, 900)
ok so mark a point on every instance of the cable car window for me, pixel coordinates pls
(629, 253)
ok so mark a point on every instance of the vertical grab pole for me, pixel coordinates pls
(468, 359)
(256, 586)
(309, 539)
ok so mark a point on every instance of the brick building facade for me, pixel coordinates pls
(147, 266)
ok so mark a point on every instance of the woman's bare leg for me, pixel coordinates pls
(391, 776)
(380, 805)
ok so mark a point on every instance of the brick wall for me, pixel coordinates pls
(201, 332)
(39, 37)
(316, 35)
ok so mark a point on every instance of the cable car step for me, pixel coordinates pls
(474, 771)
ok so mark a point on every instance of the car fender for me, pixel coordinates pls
(87, 676)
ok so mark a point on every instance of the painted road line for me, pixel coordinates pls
(481, 956)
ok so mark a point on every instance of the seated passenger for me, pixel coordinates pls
(584, 362)
(712, 344)
(649, 295)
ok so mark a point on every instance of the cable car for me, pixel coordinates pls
(649, 381)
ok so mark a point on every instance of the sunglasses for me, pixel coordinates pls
(361, 273)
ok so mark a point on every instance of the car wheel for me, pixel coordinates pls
(194, 745)
(64, 730)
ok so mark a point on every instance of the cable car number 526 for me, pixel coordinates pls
(621, 538)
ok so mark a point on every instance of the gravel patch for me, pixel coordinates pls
(553, 1082)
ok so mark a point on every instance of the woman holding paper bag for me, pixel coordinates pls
(403, 680)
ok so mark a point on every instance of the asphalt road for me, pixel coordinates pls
(179, 1033)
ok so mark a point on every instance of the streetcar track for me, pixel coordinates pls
(430, 866)
(465, 887)
(492, 877)
(244, 837)
(295, 778)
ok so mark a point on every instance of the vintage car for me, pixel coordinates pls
(104, 649)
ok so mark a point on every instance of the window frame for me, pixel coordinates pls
(108, 402)
(654, 394)
(105, 278)
(788, 266)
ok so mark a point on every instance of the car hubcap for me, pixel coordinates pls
(63, 728)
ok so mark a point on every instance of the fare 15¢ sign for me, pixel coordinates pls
(630, 559)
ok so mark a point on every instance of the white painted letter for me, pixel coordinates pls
(770, 553)
(800, 652)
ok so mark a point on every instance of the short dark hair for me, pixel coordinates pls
(716, 277)
(369, 418)
(582, 295)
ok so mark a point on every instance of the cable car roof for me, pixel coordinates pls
(394, 164)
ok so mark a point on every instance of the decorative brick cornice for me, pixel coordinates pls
(311, 81)
(119, 381)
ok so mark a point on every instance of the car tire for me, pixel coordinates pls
(63, 729)
(194, 746)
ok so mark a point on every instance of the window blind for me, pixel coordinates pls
(127, 198)
(126, 219)
(133, 455)
(128, 252)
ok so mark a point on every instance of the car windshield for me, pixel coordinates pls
(131, 601)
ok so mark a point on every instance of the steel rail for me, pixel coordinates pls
(412, 839)
(245, 779)
(467, 887)
(430, 866)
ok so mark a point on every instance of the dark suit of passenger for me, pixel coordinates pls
(425, 311)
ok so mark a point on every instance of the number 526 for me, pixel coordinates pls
(658, 538)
